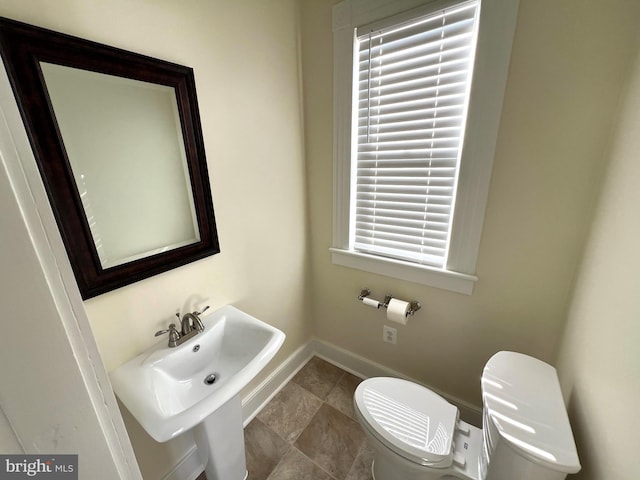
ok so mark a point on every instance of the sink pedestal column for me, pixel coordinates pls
(220, 442)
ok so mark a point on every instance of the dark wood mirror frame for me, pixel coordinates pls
(23, 47)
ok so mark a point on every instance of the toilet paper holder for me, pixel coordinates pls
(414, 305)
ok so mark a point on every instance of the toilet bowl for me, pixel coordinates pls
(417, 435)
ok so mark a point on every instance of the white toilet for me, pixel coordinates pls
(417, 435)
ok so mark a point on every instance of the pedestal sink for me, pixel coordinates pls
(197, 384)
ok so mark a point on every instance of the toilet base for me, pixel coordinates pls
(387, 465)
(385, 470)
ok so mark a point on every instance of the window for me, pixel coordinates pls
(415, 126)
(410, 94)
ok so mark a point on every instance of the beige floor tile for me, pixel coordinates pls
(341, 397)
(308, 430)
(295, 466)
(264, 449)
(290, 411)
(331, 440)
(319, 377)
(361, 468)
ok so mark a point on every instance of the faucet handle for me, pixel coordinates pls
(174, 335)
(202, 311)
(171, 328)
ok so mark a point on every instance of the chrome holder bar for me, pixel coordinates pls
(414, 305)
(364, 293)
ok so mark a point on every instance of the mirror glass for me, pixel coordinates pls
(125, 147)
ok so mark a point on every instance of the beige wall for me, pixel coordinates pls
(600, 362)
(245, 58)
(569, 61)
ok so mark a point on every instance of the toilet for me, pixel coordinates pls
(417, 435)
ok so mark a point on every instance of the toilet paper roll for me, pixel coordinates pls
(397, 311)
(372, 302)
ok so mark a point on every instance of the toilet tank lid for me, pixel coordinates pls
(522, 398)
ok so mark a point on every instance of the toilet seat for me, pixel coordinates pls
(409, 419)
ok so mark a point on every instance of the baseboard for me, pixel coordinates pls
(357, 365)
(263, 393)
(365, 368)
(190, 466)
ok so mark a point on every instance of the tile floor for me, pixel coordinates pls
(308, 431)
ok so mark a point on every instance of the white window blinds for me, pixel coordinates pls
(411, 95)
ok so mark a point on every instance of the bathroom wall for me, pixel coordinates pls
(245, 58)
(570, 59)
(599, 363)
(45, 406)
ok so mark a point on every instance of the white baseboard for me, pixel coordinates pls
(263, 393)
(190, 466)
(355, 364)
(365, 368)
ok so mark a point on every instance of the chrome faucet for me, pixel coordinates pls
(191, 321)
(190, 325)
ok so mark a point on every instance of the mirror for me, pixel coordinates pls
(118, 142)
(125, 148)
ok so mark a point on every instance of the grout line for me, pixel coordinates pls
(291, 443)
(361, 451)
(305, 456)
(279, 461)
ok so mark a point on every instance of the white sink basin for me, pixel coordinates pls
(165, 389)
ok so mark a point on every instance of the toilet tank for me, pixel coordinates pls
(526, 430)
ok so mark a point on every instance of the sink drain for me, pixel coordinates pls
(210, 379)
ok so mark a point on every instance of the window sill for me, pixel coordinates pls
(433, 277)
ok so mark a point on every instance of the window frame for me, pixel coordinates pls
(495, 37)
